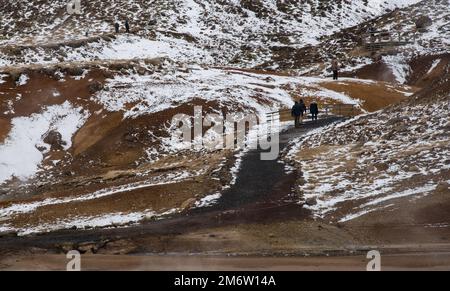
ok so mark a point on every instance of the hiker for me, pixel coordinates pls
(297, 112)
(127, 26)
(303, 108)
(372, 30)
(335, 69)
(117, 27)
(314, 110)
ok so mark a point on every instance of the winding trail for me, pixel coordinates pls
(262, 193)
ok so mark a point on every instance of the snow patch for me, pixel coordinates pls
(23, 79)
(433, 66)
(19, 154)
(208, 200)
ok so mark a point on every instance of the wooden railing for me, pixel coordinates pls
(377, 40)
(343, 110)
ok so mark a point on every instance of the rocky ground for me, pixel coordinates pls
(87, 161)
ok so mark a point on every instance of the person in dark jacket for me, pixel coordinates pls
(297, 113)
(117, 27)
(314, 110)
(335, 69)
(127, 26)
(303, 107)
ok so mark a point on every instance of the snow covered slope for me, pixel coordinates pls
(215, 32)
(390, 64)
(376, 161)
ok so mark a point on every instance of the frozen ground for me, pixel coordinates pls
(365, 164)
(112, 98)
(186, 30)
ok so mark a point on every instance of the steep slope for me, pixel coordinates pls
(377, 162)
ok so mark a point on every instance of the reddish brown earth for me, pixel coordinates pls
(378, 71)
(375, 96)
(392, 262)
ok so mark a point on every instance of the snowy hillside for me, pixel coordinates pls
(213, 32)
(375, 161)
(85, 113)
(394, 64)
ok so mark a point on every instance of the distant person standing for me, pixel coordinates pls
(335, 69)
(314, 110)
(372, 31)
(117, 27)
(127, 26)
(297, 113)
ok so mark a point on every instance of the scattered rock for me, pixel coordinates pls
(114, 175)
(156, 62)
(120, 247)
(41, 148)
(423, 22)
(66, 247)
(88, 247)
(381, 166)
(443, 187)
(311, 201)
(141, 70)
(188, 204)
(130, 137)
(95, 87)
(397, 120)
(74, 71)
(54, 139)
(413, 168)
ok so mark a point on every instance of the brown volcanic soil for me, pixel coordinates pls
(378, 71)
(5, 127)
(38, 92)
(392, 262)
(420, 67)
(413, 261)
(108, 151)
(375, 96)
(415, 222)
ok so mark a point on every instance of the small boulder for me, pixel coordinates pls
(443, 187)
(381, 167)
(88, 247)
(188, 204)
(397, 121)
(75, 71)
(311, 202)
(423, 22)
(95, 87)
(54, 139)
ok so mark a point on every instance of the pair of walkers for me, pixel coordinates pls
(127, 26)
(299, 110)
